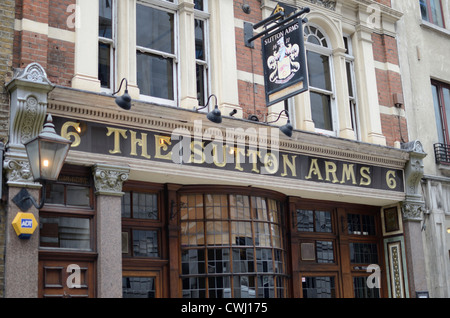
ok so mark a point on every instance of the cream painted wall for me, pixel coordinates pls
(424, 51)
(424, 55)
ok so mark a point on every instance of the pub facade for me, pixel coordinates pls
(158, 201)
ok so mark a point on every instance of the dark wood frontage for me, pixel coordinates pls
(212, 242)
(67, 244)
(335, 249)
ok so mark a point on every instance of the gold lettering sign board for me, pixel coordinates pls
(188, 150)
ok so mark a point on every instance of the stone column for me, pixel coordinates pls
(126, 46)
(108, 185)
(21, 256)
(86, 38)
(187, 64)
(224, 79)
(412, 210)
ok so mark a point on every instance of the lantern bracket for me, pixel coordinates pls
(24, 200)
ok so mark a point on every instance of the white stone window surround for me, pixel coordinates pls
(324, 49)
(222, 70)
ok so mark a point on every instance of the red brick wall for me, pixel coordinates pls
(385, 2)
(55, 56)
(385, 50)
(251, 96)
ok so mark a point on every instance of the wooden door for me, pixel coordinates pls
(334, 246)
(66, 279)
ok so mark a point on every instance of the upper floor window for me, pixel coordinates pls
(351, 85)
(201, 50)
(158, 57)
(106, 45)
(156, 52)
(431, 11)
(320, 77)
(441, 100)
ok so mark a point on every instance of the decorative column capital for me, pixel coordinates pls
(18, 173)
(413, 211)
(109, 179)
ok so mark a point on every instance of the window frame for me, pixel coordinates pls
(129, 224)
(112, 42)
(353, 100)
(172, 8)
(444, 124)
(429, 15)
(55, 210)
(233, 277)
(204, 16)
(325, 51)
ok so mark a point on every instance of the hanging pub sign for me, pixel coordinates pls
(284, 62)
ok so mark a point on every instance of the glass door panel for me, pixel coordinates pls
(335, 247)
(319, 287)
(141, 285)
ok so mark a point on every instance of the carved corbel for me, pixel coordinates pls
(28, 89)
(414, 205)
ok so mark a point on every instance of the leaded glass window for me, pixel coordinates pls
(231, 246)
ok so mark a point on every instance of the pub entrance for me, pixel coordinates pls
(336, 250)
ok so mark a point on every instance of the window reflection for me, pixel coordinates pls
(138, 287)
(361, 290)
(250, 258)
(319, 64)
(65, 232)
(319, 287)
(156, 52)
(106, 43)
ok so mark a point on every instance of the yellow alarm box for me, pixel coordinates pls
(24, 224)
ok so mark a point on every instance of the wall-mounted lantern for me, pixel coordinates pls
(46, 154)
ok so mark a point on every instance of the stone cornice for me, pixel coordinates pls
(82, 105)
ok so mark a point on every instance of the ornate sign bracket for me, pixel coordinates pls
(284, 59)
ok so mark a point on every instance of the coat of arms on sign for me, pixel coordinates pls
(282, 63)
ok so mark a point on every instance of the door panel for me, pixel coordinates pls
(66, 279)
(322, 285)
(141, 284)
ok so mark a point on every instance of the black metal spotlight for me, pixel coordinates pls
(215, 115)
(123, 101)
(286, 129)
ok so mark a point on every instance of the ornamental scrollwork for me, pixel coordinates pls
(18, 171)
(327, 4)
(412, 212)
(109, 179)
